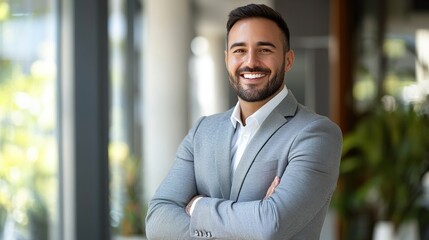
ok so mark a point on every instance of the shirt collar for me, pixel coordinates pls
(262, 113)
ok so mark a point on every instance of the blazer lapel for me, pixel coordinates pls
(277, 118)
(224, 135)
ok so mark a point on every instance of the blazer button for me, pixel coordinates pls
(208, 234)
(196, 233)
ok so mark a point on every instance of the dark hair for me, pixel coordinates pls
(258, 10)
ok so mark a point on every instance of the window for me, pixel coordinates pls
(127, 209)
(391, 62)
(28, 125)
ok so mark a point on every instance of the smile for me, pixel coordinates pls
(253, 75)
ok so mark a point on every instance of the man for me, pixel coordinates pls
(265, 169)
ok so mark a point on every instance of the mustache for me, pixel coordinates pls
(255, 69)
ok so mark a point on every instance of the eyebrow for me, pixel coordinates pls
(261, 43)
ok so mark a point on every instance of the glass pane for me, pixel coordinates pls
(392, 63)
(28, 126)
(126, 208)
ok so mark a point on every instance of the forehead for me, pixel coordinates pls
(255, 29)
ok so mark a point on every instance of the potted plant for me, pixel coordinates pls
(384, 160)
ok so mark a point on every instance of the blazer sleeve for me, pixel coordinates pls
(166, 217)
(306, 186)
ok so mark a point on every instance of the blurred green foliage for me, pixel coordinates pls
(28, 150)
(126, 191)
(384, 160)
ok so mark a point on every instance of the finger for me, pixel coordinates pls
(272, 187)
(269, 192)
(276, 181)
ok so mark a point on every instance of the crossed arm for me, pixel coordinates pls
(289, 205)
(169, 218)
(274, 184)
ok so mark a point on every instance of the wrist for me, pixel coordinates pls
(191, 205)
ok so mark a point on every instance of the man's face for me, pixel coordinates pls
(255, 59)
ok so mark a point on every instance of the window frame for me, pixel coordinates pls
(83, 120)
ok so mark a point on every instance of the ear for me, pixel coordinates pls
(289, 59)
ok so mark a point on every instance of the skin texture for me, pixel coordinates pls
(256, 46)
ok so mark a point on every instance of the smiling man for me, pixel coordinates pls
(265, 169)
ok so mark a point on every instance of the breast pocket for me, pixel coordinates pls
(260, 176)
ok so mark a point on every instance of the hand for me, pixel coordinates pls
(273, 187)
(188, 207)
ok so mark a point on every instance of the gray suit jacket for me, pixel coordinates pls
(294, 143)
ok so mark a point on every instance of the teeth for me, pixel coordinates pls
(252, 76)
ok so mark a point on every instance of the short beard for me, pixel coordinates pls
(254, 95)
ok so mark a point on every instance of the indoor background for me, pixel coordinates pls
(95, 97)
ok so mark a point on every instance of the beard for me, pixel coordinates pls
(252, 93)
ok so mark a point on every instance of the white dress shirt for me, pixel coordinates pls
(244, 133)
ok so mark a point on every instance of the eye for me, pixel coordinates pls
(265, 50)
(238, 50)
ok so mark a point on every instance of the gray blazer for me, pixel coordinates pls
(293, 143)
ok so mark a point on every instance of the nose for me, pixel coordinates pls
(251, 59)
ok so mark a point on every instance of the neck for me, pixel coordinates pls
(249, 108)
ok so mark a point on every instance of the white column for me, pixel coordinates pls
(210, 85)
(221, 82)
(167, 34)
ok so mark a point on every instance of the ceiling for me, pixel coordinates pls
(211, 16)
